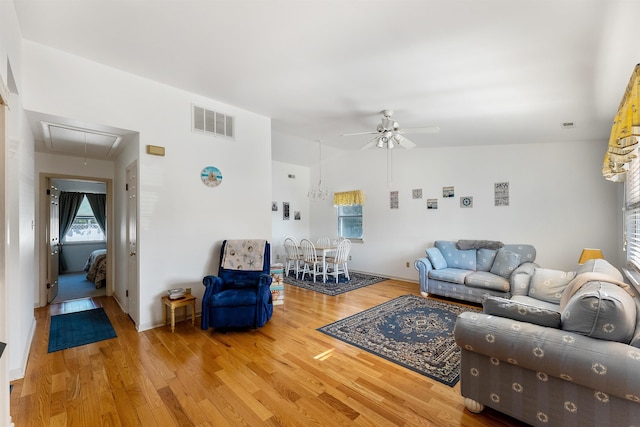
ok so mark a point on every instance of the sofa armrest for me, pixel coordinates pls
(423, 265)
(605, 366)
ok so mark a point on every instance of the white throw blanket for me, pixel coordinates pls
(247, 255)
(584, 278)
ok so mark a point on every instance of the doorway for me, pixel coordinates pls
(84, 267)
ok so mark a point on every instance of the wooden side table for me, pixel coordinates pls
(186, 301)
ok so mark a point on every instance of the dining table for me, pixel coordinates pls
(323, 251)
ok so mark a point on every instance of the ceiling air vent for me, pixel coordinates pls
(212, 123)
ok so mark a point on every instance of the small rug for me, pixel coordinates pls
(75, 329)
(412, 331)
(356, 280)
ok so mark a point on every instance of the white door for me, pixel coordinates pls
(53, 243)
(132, 242)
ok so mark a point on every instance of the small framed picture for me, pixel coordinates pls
(447, 192)
(274, 206)
(466, 202)
(417, 193)
(432, 203)
(285, 211)
(296, 215)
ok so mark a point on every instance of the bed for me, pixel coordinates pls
(96, 267)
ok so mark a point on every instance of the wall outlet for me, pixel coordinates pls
(188, 291)
(349, 257)
(407, 264)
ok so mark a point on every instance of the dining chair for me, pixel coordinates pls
(338, 261)
(324, 241)
(312, 264)
(293, 255)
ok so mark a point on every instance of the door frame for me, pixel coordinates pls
(43, 184)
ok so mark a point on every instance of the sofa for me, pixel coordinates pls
(564, 350)
(469, 270)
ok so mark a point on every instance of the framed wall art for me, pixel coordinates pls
(501, 190)
(285, 211)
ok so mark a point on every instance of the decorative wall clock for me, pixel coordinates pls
(211, 176)
(466, 202)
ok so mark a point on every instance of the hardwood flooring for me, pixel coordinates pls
(284, 374)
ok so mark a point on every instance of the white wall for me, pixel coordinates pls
(294, 191)
(182, 222)
(559, 202)
(17, 321)
(21, 241)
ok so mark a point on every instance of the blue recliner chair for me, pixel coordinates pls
(239, 296)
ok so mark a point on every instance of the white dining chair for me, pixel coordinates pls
(338, 261)
(293, 255)
(324, 241)
(312, 264)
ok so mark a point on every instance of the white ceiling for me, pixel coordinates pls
(486, 72)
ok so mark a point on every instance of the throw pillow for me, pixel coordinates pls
(522, 312)
(505, 262)
(485, 258)
(548, 285)
(601, 310)
(455, 257)
(436, 258)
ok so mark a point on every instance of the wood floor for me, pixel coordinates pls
(284, 374)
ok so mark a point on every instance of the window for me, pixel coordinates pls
(350, 221)
(632, 214)
(84, 228)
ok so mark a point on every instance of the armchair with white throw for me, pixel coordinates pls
(239, 296)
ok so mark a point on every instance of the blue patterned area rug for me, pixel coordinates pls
(412, 331)
(75, 329)
(356, 280)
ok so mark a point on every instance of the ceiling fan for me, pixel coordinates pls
(389, 134)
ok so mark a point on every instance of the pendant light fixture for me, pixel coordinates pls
(319, 192)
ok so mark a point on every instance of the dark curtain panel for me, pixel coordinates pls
(98, 204)
(69, 205)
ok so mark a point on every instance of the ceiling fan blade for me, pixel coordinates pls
(426, 129)
(403, 141)
(370, 143)
(360, 133)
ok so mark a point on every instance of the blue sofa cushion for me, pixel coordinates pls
(505, 262)
(601, 310)
(548, 285)
(520, 311)
(486, 280)
(436, 258)
(453, 275)
(485, 258)
(456, 258)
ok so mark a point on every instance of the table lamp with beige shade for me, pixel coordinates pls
(589, 253)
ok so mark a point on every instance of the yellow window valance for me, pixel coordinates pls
(625, 132)
(347, 198)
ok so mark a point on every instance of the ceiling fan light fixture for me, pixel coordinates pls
(380, 143)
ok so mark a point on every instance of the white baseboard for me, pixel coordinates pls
(16, 374)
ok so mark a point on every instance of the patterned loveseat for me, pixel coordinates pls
(472, 269)
(563, 351)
